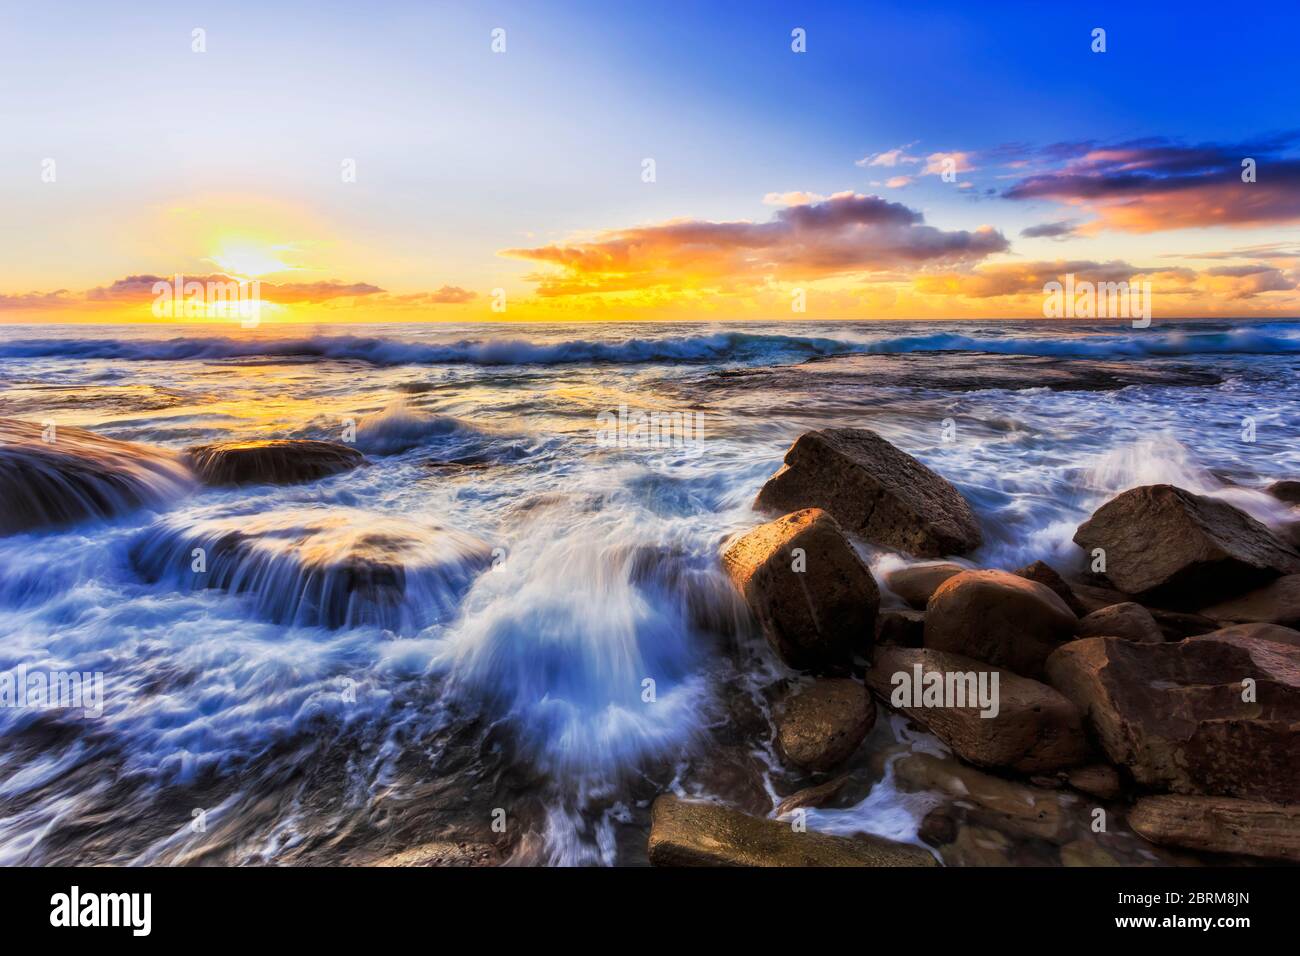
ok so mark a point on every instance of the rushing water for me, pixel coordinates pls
(551, 574)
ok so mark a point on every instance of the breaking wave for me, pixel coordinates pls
(1097, 342)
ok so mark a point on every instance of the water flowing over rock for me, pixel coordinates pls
(79, 475)
(333, 568)
(1181, 717)
(998, 618)
(684, 833)
(276, 462)
(813, 596)
(1163, 543)
(1034, 728)
(874, 490)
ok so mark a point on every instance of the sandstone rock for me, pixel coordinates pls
(1005, 805)
(1220, 825)
(77, 475)
(998, 618)
(447, 853)
(685, 833)
(1130, 621)
(278, 461)
(875, 491)
(1098, 780)
(820, 727)
(811, 797)
(901, 628)
(1174, 714)
(816, 617)
(1035, 728)
(915, 584)
(1176, 625)
(1086, 853)
(1286, 490)
(1275, 603)
(1167, 545)
(978, 846)
(1092, 597)
(1263, 632)
(1044, 573)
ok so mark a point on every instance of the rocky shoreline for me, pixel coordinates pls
(1157, 693)
(1164, 686)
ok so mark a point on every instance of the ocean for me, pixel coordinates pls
(504, 711)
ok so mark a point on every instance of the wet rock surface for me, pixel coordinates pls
(819, 727)
(686, 833)
(277, 461)
(874, 490)
(50, 477)
(813, 596)
(1163, 543)
(998, 618)
(1220, 825)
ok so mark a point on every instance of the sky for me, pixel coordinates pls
(383, 162)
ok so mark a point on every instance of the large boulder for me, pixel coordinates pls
(57, 476)
(874, 490)
(1220, 825)
(1275, 603)
(337, 567)
(1167, 545)
(1034, 728)
(998, 618)
(812, 594)
(916, 583)
(1180, 716)
(1130, 621)
(821, 726)
(685, 833)
(275, 461)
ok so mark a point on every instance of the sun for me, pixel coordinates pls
(249, 260)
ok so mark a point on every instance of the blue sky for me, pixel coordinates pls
(462, 153)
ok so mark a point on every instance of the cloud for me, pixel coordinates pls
(898, 182)
(889, 158)
(845, 234)
(936, 164)
(446, 295)
(793, 198)
(1061, 229)
(38, 300)
(1157, 184)
(1029, 278)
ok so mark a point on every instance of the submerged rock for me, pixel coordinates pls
(813, 596)
(1165, 544)
(1181, 717)
(1033, 729)
(1098, 780)
(1130, 621)
(1220, 825)
(820, 727)
(276, 462)
(685, 833)
(1275, 603)
(875, 491)
(998, 618)
(79, 475)
(341, 567)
